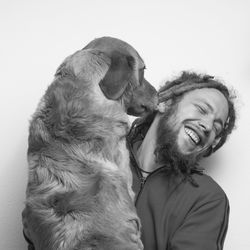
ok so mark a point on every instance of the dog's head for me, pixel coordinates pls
(122, 73)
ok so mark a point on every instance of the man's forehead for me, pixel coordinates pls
(205, 94)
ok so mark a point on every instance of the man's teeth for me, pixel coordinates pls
(193, 135)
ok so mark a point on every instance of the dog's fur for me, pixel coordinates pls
(79, 192)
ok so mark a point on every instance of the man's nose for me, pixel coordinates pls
(206, 125)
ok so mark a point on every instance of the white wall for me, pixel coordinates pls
(210, 36)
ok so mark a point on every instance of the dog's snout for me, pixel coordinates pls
(150, 89)
(144, 100)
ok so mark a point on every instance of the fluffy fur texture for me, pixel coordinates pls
(79, 192)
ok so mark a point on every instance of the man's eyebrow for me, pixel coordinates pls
(206, 103)
(209, 106)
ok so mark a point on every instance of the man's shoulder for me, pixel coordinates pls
(208, 187)
(206, 190)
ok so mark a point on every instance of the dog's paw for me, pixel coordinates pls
(137, 242)
(135, 233)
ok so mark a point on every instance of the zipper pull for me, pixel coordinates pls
(143, 179)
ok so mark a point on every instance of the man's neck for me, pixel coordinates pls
(145, 153)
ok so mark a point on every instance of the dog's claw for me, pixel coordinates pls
(135, 235)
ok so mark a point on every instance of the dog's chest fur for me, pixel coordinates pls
(71, 133)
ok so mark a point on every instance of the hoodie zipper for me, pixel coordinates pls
(135, 165)
(142, 183)
(142, 179)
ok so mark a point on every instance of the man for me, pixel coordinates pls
(180, 207)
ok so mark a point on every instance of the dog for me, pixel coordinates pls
(79, 193)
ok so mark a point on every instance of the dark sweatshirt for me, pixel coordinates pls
(175, 214)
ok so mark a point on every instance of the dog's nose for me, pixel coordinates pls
(154, 99)
(151, 106)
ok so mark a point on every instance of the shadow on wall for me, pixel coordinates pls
(12, 190)
(214, 165)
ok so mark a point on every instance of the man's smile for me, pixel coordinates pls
(193, 135)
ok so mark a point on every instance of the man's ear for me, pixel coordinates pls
(210, 150)
(215, 143)
(116, 79)
(163, 106)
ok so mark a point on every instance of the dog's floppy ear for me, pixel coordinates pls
(116, 79)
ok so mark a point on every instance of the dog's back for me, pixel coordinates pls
(79, 191)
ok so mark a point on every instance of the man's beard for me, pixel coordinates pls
(167, 151)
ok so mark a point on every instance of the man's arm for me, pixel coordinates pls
(204, 228)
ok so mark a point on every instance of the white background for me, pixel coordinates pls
(211, 36)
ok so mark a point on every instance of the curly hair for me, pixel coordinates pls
(188, 81)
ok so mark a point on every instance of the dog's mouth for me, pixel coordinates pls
(142, 105)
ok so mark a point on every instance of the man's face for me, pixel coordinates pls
(199, 118)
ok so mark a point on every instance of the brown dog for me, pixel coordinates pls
(79, 192)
